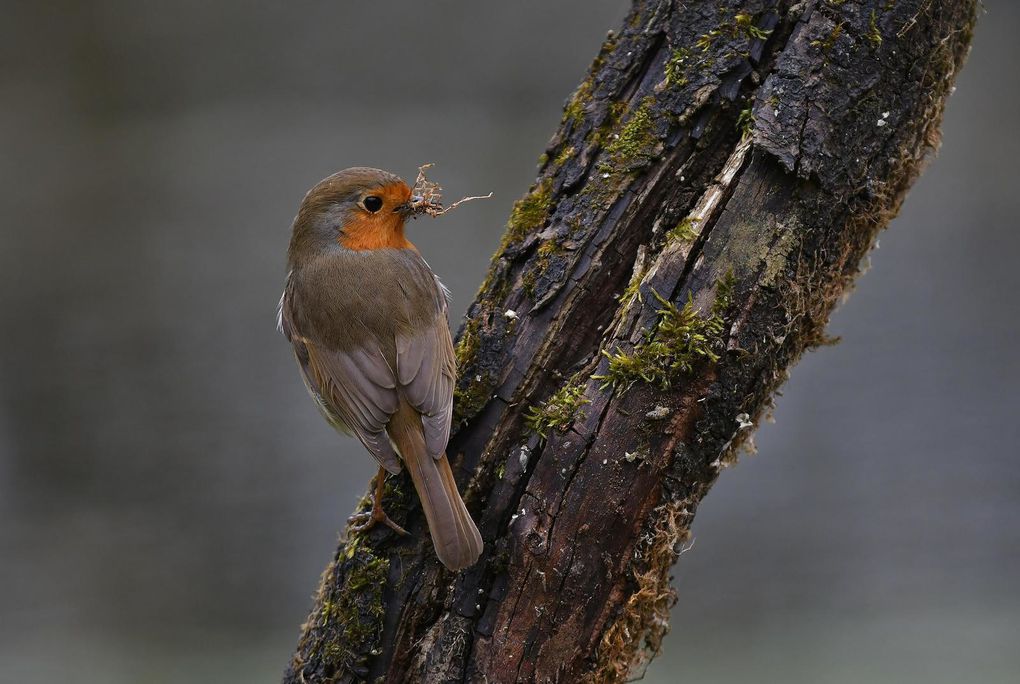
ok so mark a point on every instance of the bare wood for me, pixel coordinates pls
(710, 194)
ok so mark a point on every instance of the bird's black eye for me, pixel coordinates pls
(373, 203)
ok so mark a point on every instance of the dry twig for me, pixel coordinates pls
(426, 196)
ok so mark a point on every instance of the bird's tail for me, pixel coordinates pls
(454, 535)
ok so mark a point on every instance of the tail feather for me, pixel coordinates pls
(454, 534)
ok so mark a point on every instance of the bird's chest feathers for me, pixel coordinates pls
(375, 232)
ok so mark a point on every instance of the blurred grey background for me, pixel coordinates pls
(168, 494)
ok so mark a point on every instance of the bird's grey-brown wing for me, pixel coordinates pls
(354, 388)
(427, 373)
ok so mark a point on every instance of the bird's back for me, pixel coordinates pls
(348, 299)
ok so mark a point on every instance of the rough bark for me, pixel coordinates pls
(714, 186)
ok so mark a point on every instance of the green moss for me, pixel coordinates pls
(705, 40)
(724, 288)
(349, 621)
(546, 251)
(681, 338)
(558, 161)
(635, 142)
(633, 288)
(470, 399)
(575, 109)
(634, 137)
(474, 389)
(565, 154)
(527, 283)
(745, 123)
(614, 113)
(827, 44)
(529, 212)
(467, 345)
(575, 224)
(684, 231)
(548, 248)
(558, 411)
(601, 188)
(676, 67)
(744, 23)
(371, 575)
(874, 35)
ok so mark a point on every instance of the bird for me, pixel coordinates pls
(367, 320)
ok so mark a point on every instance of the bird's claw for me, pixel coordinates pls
(363, 522)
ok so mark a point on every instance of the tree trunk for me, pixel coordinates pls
(714, 186)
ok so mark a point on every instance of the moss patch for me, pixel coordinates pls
(684, 231)
(467, 345)
(471, 396)
(829, 41)
(633, 288)
(681, 338)
(874, 35)
(745, 123)
(529, 212)
(565, 154)
(676, 67)
(346, 625)
(576, 108)
(474, 389)
(742, 25)
(574, 111)
(558, 411)
(635, 142)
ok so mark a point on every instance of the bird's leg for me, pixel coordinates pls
(362, 522)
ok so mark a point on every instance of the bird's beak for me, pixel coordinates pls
(410, 207)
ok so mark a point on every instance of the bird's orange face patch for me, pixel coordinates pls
(377, 223)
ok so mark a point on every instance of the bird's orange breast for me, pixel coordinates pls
(361, 235)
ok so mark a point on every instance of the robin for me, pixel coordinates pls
(367, 319)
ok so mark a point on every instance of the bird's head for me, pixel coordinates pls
(358, 208)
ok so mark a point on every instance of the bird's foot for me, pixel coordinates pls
(363, 522)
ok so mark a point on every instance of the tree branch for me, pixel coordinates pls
(713, 187)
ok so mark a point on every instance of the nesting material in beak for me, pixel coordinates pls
(411, 207)
(426, 197)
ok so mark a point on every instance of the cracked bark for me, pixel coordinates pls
(751, 146)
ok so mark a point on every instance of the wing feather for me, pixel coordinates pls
(363, 406)
(354, 389)
(427, 369)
